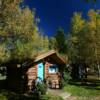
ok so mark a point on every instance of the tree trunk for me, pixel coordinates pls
(98, 66)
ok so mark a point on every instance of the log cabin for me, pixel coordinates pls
(48, 66)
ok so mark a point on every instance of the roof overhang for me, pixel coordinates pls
(53, 55)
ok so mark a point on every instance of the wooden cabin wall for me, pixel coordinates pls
(31, 75)
(46, 69)
(53, 78)
(47, 74)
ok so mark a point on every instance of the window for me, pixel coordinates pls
(53, 69)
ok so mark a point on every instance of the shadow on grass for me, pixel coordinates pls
(87, 83)
(6, 94)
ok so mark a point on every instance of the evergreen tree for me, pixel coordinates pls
(61, 41)
(46, 43)
(52, 43)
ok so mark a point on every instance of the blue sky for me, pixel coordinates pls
(58, 13)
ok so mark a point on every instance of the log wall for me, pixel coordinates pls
(32, 74)
(52, 78)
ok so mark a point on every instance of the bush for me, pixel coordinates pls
(66, 78)
(39, 86)
(42, 88)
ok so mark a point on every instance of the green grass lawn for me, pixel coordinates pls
(81, 91)
(89, 90)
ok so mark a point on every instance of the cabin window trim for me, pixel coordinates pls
(53, 69)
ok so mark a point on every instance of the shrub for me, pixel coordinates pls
(42, 88)
(39, 86)
(66, 78)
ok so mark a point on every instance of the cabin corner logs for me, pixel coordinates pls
(47, 66)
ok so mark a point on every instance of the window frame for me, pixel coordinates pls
(55, 69)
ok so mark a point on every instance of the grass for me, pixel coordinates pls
(89, 90)
(81, 91)
(6, 95)
(3, 95)
(51, 97)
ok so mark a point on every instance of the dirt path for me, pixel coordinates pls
(60, 93)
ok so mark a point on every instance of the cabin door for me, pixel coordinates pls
(40, 71)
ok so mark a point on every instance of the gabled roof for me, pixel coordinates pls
(53, 55)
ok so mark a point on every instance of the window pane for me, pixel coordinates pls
(53, 69)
